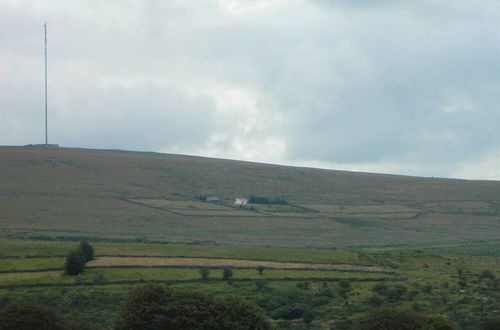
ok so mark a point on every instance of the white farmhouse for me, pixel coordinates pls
(241, 201)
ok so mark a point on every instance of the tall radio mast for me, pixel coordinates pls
(45, 32)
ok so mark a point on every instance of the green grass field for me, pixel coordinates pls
(434, 282)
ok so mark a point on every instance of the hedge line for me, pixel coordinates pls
(284, 279)
(197, 267)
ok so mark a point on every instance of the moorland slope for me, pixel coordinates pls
(109, 195)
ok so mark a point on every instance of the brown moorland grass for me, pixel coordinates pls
(460, 206)
(151, 175)
(61, 194)
(368, 208)
(179, 204)
(212, 262)
(211, 213)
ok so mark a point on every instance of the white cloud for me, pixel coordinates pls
(243, 6)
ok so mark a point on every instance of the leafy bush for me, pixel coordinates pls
(154, 306)
(204, 272)
(375, 300)
(291, 312)
(294, 304)
(29, 316)
(87, 251)
(393, 293)
(227, 273)
(400, 319)
(490, 323)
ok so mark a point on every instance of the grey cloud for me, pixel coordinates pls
(364, 82)
(144, 117)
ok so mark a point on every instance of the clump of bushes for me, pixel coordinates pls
(31, 316)
(155, 306)
(401, 319)
(77, 259)
(295, 303)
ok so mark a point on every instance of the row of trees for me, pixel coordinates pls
(265, 200)
(78, 258)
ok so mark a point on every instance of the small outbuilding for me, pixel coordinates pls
(213, 199)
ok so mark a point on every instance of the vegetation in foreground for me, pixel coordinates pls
(460, 289)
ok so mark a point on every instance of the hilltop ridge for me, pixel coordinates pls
(146, 174)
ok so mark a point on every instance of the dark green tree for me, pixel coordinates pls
(236, 313)
(227, 273)
(260, 269)
(29, 316)
(87, 251)
(204, 272)
(75, 263)
(153, 306)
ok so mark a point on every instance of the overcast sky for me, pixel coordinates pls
(403, 87)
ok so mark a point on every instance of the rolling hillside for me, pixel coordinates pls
(60, 193)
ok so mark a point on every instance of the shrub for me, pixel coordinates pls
(87, 251)
(488, 274)
(344, 287)
(154, 306)
(400, 319)
(291, 312)
(490, 323)
(204, 272)
(29, 316)
(260, 269)
(375, 300)
(380, 288)
(227, 273)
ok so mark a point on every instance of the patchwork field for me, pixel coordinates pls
(130, 197)
(19, 268)
(438, 280)
(231, 263)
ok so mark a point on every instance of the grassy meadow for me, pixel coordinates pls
(451, 284)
